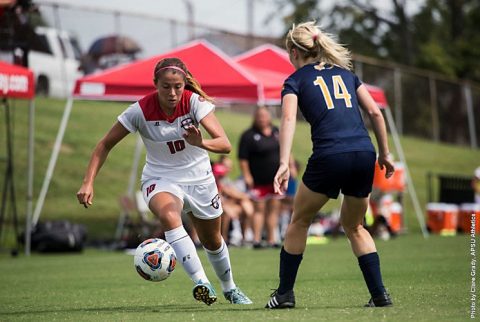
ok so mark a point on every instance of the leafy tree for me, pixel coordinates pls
(452, 45)
(441, 35)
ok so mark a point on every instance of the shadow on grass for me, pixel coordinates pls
(167, 308)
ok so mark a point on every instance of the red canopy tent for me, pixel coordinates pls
(271, 66)
(268, 57)
(17, 82)
(218, 74)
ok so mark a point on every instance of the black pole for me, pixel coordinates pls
(8, 185)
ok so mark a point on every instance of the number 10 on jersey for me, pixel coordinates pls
(176, 146)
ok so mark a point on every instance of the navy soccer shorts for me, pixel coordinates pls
(349, 172)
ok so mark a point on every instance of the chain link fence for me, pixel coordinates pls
(425, 104)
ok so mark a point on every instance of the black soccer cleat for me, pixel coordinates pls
(382, 300)
(281, 301)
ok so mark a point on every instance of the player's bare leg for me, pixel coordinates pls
(351, 217)
(305, 206)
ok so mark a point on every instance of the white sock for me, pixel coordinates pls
(220, 260)
(186, 253)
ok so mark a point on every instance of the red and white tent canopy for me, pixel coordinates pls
(271, 66)
(268, 57)
(219, 75)
(16, 81)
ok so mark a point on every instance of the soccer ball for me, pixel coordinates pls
(155, 259)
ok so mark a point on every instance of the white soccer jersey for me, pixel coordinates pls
(168, 154)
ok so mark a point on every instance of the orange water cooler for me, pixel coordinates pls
(387, 205)
(442, 218)
(395, 220)
(468, 213)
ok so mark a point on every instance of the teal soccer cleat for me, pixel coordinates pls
(236, 296)
(205, 293)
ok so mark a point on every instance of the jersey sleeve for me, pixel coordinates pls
(200, 107)
(290, 86)
(131, 118)
(357, 81)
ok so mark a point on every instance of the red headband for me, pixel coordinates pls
(173, 67)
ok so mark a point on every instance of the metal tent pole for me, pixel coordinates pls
(30, 156)
(131, 186)
(53, 161)
(410, 187)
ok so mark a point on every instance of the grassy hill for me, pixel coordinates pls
(90, 120)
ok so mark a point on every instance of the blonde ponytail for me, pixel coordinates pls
(312, 42)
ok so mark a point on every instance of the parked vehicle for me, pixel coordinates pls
(55, 60)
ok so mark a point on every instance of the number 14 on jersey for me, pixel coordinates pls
(339, 91)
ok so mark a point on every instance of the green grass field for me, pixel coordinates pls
(429, 280)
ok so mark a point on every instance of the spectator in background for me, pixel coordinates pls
(259, 154)
(476, 185)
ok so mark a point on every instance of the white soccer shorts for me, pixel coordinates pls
(201, 199)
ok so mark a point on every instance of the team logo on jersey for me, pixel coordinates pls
(323, 66)
(216, 201)
(187, 123)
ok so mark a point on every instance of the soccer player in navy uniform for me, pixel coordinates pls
(329, 96)
(177, 175)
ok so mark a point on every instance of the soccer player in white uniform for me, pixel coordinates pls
(177, 175)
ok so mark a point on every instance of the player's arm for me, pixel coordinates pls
(243, 156)
(287, 130)
(375, 115)
(218, 143)
(99, 155)
(247, 175)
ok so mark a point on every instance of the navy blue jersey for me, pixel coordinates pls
(327, 98)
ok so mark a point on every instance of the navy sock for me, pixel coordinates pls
(288, 270)
(370, 266)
